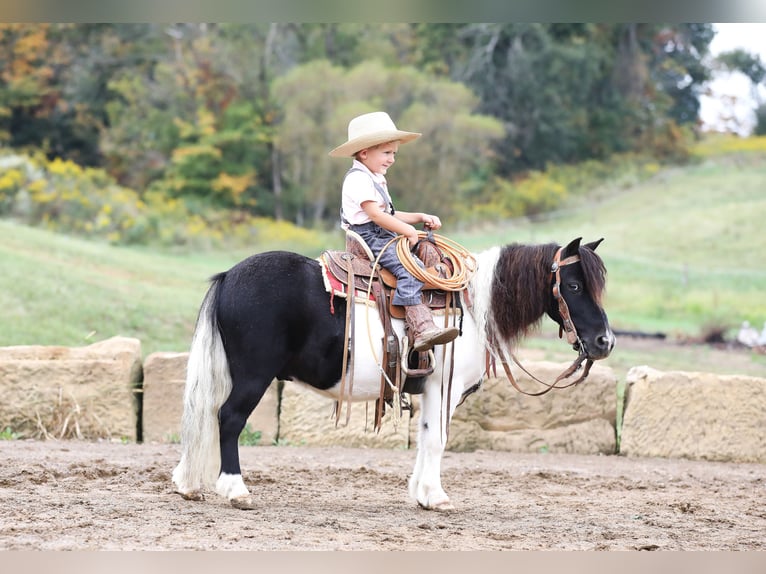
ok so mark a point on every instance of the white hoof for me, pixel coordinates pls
(232, 486)
(443, 506)
(195, 495)
(244, 502)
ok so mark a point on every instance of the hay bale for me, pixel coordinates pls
(700, 416)
(306, 418)
(578, 420)
(164, 381)
(71, 392)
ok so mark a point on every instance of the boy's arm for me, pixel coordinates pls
(395, 224)
(430, 221)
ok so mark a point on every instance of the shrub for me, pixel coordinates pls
(64, 197)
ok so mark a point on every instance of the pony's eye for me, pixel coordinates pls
(574, 287)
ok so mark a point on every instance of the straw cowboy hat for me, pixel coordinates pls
(369, 130)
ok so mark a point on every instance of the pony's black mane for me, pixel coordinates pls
(521, 286)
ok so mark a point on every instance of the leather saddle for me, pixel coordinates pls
(357, 261)
(359, 257)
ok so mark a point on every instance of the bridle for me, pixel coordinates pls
(566, 325)
(566, 320)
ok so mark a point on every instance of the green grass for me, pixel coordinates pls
(8, 434)
(60, 290)
(682, 250)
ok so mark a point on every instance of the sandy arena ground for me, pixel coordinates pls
(104, 496)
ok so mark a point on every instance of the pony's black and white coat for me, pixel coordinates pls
(269, 317)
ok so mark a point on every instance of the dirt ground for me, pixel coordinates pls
(107, 496)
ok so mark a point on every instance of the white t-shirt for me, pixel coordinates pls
(358, 187)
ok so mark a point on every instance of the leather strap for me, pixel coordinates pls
(494, 350)
(348, 344)
(566, 320)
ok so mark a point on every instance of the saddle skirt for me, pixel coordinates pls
(335, 273)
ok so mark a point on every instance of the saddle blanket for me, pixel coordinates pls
(335, 276)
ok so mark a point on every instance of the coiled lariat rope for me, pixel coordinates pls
(463, 262)
(464, 266)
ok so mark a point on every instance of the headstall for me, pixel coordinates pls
(566, 326)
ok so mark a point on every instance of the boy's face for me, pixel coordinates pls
(379, 158)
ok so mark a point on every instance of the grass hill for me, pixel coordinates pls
(683, 252)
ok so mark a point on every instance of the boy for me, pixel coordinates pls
(367, 209)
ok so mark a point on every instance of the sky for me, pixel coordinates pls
(730, 104)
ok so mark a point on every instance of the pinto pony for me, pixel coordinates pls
(268, 318)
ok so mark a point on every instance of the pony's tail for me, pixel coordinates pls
(208, 384)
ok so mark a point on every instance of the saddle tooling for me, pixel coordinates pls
(350, 275)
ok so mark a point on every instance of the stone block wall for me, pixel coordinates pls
(306, 418)
(578, 419)
(94, 391)
(163, 391)
(694, 415)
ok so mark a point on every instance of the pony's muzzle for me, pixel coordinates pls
(602, 345)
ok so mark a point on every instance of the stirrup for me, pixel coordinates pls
(405, 360)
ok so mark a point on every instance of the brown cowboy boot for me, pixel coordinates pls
(425, 333)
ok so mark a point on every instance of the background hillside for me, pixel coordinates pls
(682, 250)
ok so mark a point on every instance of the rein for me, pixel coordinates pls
(567, 325)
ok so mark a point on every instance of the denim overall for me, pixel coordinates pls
(408, 288)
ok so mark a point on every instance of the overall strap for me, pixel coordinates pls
(383, 194)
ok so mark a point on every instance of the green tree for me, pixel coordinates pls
(676, 62)
(57, 78)
(28, 93)
(428, 174)
(752, 66)
(543, 82)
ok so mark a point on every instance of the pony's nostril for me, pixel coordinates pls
(604, 342)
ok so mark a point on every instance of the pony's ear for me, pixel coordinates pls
(593, 244)
(572, 248)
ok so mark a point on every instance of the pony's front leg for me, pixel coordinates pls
(425, 483)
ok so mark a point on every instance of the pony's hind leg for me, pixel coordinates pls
(244, 397)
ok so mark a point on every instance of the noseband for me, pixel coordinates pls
(566, 325)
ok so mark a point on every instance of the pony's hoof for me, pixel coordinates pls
(243, 502)
(443, 506)
(195, 495)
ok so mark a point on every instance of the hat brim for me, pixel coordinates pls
(352, 146)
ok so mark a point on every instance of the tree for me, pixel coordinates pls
(27, 89)
(677, 64)
(752, 66)
(543, 82)
(428, 172)
(56, 78)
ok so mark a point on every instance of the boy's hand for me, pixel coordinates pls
(413, 237)
(431, 222)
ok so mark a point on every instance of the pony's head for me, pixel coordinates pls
(567, 283)
(577, 280)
